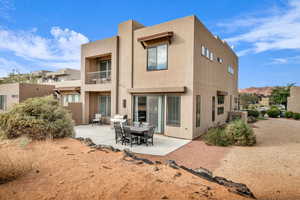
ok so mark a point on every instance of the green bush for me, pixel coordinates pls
(236, 133)
(273, 112)
(37, 118)
(296, 116)
(253, 113)
(240, 133)
(289, 114)
(216, 136)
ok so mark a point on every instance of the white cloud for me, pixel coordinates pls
(286, 60)
(280, 30)
(6, 66)
(5, 7)
(62, 48)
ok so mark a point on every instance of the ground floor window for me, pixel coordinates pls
(173, 110)
(220, 110)
(70, 98)
(198, 110)
(105, 105)
(2, 102)
(221, 99)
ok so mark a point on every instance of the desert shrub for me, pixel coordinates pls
(235, 133)
(273, 112)
(253, 113)
(13, 164)
(37, 118)
(216, 136)
(240, 133)
(289, 114)
(296, 116)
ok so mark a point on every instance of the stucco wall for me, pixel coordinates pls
(211, 76)
(294, 100)
(12, 94)
(34, 90)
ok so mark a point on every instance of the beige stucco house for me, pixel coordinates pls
(175, 75)
(13, 93)
(294, 100)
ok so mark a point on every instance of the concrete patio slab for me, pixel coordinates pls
(105, 135)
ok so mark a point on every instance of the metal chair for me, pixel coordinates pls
(119, 134)
(149, 135)
(97, 119)
(145, 124)
(128, 137)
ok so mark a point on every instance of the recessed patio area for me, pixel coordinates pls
(105, 135)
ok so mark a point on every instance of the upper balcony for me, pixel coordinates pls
(99, 70)
(98, 77)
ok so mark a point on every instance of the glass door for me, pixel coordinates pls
(150, 109)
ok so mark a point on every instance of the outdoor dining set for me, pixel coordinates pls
(137, 133)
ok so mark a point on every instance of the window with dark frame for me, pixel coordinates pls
(213, 108)
(220, 110)
(221, 99)
(198, 110)
(157, 58)
(173, 110)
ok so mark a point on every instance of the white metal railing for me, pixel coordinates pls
(98, 77)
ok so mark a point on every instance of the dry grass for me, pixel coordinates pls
(15, 161)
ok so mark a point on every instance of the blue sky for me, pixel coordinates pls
(47, 34)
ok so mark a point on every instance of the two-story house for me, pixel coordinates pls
(175, 75)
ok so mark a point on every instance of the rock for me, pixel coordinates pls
(70, 154)
(61, 182)
(164, 197)
(64, 147)
(156, 169)
(172, 163)
(237, 188)
(105, 167)
(91, 150)
(158, 180)
(178, 174)
(37, 171)
(202, 170)
(158, 162)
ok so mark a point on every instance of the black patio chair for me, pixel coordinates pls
(149, 136)
(129, 138)
(119, 134)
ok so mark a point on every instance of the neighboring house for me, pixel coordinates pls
(49, 77)
(175, 75)
(68, 91)
(293, 103)
(13, 93)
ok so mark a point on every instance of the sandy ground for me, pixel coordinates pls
(66, 169)
(272, 168)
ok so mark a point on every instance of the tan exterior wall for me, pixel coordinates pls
(212, 76)
(18, 92)
(76, 111)
(186, 68)
(34, 90)
(89, 52)
(294, 100)
(11, 91)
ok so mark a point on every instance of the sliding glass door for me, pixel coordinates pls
(150, 109)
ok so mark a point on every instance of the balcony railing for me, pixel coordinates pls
(98, 77)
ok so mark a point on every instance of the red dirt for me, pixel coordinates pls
(66, 169)
(195, 154)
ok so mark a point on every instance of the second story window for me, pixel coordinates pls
(157, 57)
(105, 69)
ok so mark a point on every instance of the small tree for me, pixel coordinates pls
(280, 94)
(247, 99)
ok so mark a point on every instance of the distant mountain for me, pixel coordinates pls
(265, 91)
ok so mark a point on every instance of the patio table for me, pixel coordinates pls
(139, 131)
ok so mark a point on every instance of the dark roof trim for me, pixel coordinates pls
(222, 93)
(164, 35)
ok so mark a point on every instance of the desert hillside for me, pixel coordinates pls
(68, 169)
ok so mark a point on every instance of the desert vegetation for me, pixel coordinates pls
(235, 133)
(37, 118)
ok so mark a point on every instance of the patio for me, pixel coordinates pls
(106, 135)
